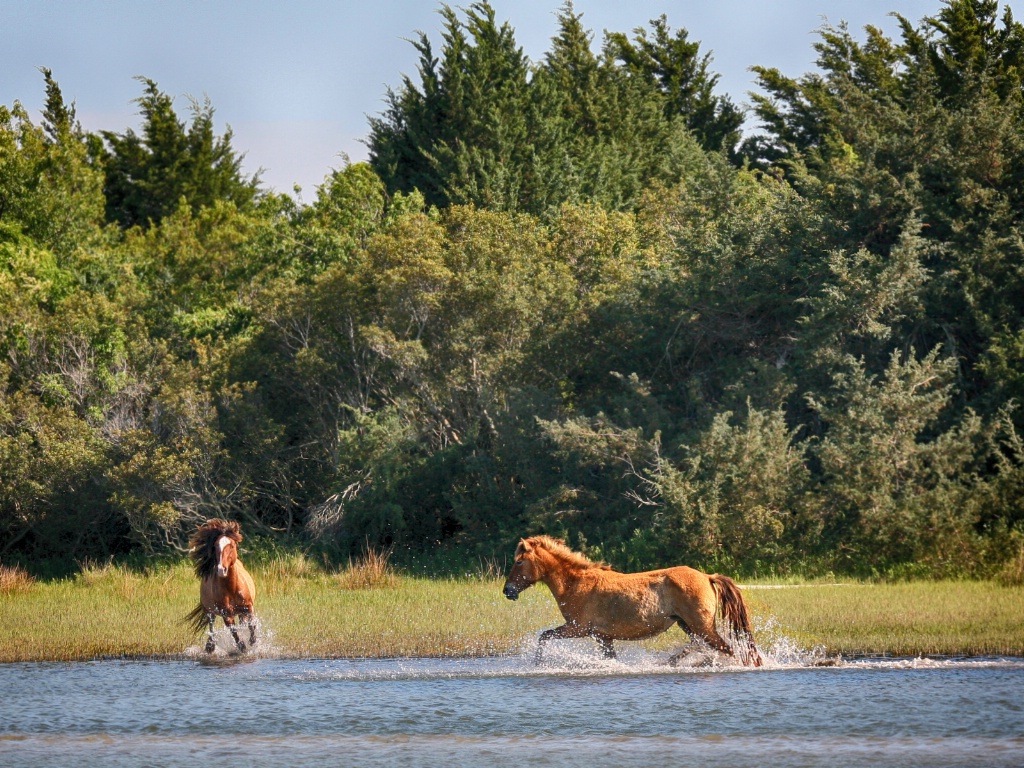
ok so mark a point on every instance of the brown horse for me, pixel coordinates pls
(599, 602)
(226, 589)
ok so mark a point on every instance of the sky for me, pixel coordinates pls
(297, 81)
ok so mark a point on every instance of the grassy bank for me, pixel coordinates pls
(954, 618)
(369, 611)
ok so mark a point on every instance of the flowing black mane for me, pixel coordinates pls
(203, 544)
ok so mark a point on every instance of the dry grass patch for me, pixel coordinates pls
(371, 571)
(13, 579)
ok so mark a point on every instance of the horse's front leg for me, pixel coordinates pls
(249, 619)
(606, 645)
(541, 641)
(230, 621)
(210, 644)
(558, 633)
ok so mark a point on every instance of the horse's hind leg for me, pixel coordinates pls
(675, 658)
(711, 637)
(700, 628)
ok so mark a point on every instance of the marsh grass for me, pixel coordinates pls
(14, 579)
(1012, 574)
(953, 618)
(371, 571)
(368, 609)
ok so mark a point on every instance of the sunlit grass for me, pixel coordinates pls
(368, 610)
(103, 611)
(14, 579)
(305, 609)
(955, 618)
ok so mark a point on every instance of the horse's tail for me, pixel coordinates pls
(733, 609)
(195, 619)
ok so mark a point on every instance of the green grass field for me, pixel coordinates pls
(111, 611)
(952, 618)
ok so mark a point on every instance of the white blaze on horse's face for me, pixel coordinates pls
(222, 544)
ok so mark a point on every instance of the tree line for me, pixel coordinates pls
(565, 296)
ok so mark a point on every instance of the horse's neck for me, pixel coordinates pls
(235, 570)
(561, 577)
(232, 571)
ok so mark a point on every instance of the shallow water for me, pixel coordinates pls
(574, 710)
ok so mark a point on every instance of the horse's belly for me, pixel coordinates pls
(632, 618)
(640, 631)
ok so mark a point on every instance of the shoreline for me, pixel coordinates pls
(111, 613)
(244, 658)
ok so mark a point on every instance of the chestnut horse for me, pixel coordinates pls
(226, 589)
(602, 603)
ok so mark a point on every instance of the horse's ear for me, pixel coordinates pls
(526, 546)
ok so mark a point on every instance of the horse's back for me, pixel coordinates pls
(688, 579)
(632, 606)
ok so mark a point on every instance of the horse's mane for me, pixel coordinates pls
(561, 550)
(203, 544)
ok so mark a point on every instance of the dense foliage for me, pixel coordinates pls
(561, 297)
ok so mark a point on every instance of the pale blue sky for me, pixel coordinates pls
(297, 80)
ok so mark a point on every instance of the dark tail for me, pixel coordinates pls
(196, 619)
(734, 610)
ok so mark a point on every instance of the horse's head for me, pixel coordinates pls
(227, 554)
(214, 547)
(526, 570)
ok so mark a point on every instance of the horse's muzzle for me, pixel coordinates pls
(511, 592)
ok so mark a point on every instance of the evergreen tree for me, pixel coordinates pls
(49, 188)
(922, 137)
(463, 138)
(147, 176)
(673, 64)
(486, 128)
(600, 134)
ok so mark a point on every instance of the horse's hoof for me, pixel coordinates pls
(210, 645)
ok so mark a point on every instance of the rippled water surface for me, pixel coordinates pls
(575, 710)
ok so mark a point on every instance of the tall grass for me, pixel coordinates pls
(966, 618)
(14, 579)
(367, 609)
(372, 570)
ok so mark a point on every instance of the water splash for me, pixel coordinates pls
(780, 650)
(226, 650)
(583, 658)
